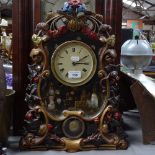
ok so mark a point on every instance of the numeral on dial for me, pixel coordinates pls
(84, 70)
(61, 70)
(66, 52)
(80, 50)
(60, 56)
(66, 74)
(73, 49)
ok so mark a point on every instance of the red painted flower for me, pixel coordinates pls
(62, 30)
(93, 35)
(28, 116)
(53, 33)
(74, 3)
(117, 115)
(96, 120)
(50, 127)
(35, 79)
(86, 31)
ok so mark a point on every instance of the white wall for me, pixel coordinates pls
(149, 27)
(128, 14)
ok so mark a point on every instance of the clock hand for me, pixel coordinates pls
(82, 63)
(83, 58)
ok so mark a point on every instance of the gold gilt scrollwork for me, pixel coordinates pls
(36, 40)
(73, 113)
(72, 145)
(39, 57)
(110, 138)
(51, 121)
(30, 138)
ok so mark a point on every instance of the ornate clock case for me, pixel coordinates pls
(73, 91)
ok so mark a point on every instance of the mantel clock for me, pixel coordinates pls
(73, 94)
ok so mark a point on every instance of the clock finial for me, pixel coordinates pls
(74, 5)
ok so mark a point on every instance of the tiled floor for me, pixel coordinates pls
(133, 130)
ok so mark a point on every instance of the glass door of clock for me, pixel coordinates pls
(54, 5)
(6, 50)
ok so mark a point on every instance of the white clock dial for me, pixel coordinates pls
(73, 63)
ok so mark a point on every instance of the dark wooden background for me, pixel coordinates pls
(26, 14)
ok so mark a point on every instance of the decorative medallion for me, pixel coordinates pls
(73, 127)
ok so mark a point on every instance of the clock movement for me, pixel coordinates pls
(73, 94)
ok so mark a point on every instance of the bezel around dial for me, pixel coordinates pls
(70, 44)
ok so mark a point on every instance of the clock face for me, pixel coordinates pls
(73, 63)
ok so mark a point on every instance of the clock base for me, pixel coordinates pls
(103, 139)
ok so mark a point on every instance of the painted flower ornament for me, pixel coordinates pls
(72, 5)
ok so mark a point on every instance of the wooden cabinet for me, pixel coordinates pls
(145, 104)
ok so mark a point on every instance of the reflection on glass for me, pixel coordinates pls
(6, 39)
(54, 5)
(72, 99)
(6, 9)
